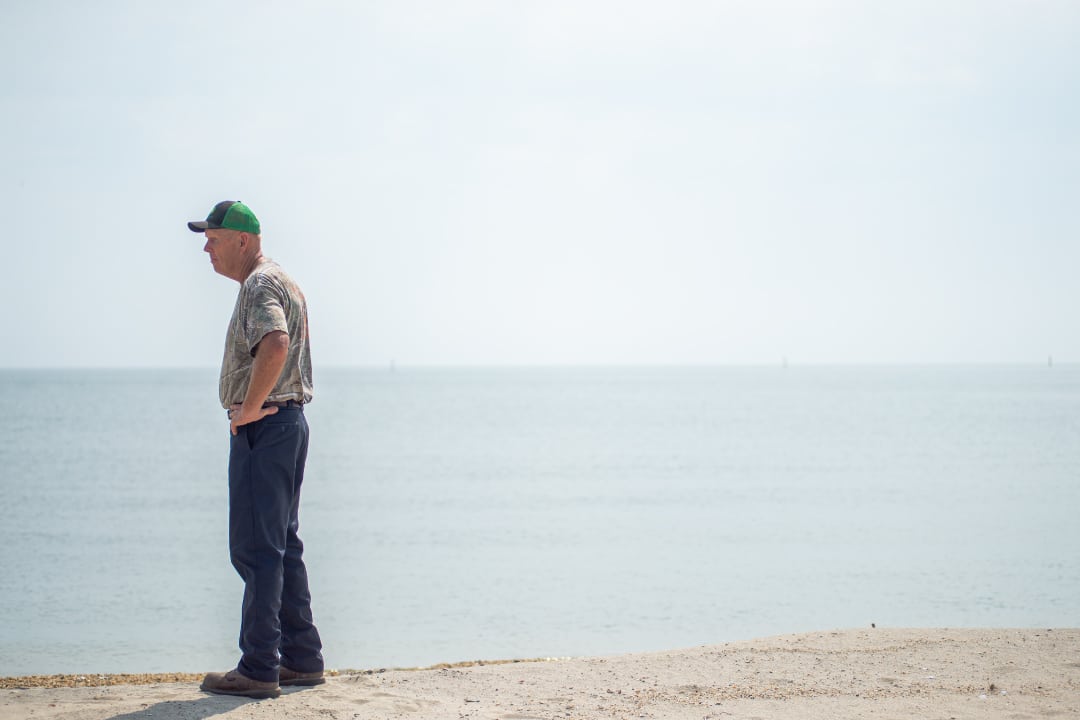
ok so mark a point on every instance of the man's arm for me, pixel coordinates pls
(270, 355)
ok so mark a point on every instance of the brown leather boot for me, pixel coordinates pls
(233, 683)
(292, 677)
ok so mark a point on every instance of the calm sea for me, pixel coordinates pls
(454, 514)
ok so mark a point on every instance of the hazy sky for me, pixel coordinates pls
(548, 182)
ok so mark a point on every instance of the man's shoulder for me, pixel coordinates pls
(269, 276)
(267, 273)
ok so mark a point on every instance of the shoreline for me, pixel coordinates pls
(75, 680)
(883, 673)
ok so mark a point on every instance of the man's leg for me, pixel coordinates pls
(301, 647)
(262, 462)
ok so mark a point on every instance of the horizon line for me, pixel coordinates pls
(399, 366)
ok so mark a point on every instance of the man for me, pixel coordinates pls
(265, 383)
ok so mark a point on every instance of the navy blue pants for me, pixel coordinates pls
(266, 469)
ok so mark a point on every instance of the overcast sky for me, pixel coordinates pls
(548, 182)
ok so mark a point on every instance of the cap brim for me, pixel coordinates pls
(199, 227)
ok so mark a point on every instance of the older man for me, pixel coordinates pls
(265, 383)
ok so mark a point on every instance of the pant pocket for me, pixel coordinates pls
(243, 439)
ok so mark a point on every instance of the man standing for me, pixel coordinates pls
(265, 383)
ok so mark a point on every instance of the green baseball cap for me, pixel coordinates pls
(228, 214)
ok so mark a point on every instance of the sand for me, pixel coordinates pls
(872, 673)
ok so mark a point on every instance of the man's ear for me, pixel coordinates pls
(244, 237)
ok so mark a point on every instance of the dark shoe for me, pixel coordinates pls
(292, 677)
(233, 683)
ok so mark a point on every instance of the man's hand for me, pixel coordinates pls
(238, 417)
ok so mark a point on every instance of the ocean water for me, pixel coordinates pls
(455, 514)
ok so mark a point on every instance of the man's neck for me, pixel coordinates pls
(250, 266)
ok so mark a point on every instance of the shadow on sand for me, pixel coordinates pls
(204, 707)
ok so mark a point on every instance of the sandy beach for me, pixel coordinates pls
(871, 673)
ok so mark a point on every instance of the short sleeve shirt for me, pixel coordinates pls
(268, 300)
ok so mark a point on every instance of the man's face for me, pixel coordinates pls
(223, 246)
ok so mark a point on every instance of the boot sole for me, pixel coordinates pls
(301, 682)
(253, 694)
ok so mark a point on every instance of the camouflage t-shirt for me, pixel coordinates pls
(269, 300)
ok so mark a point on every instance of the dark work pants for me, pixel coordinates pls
(266, 469)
